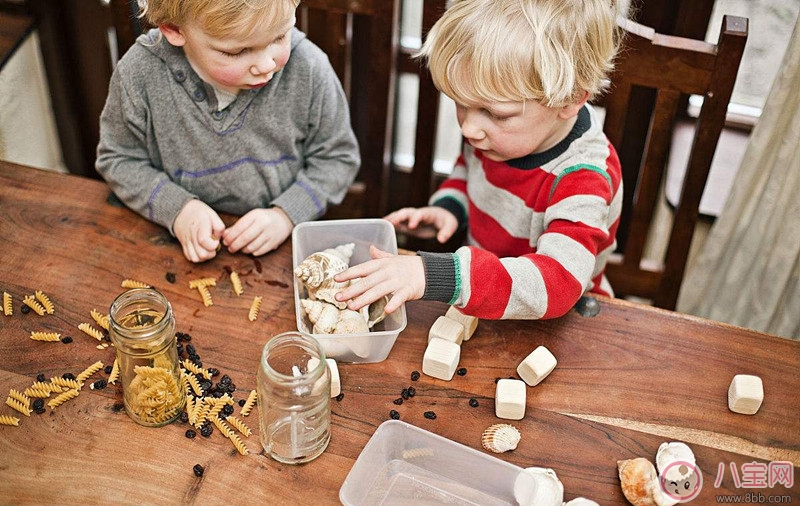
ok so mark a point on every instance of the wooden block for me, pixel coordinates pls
(470, 323)
(745, 394)
(441, 359)
(537, 366)
(336, 383)
(510, 399)
(447, 329)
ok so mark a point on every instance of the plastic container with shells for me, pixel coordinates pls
(403, 464)
(315, 236)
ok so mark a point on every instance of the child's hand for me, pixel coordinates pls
(198, 228)
(436, 222)
(401, 276)
(258, 232)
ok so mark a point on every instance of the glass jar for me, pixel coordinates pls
(142, 328)
(294, 386)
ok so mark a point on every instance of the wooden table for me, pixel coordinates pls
(627, 380)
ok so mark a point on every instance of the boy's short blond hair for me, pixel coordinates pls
(549, 51)
(218, 18)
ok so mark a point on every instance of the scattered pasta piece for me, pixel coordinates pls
(194, 383)
(41, 390)
(100, 318)
(254, 308)
(63, 397)
(34, 304)
(91, 331)
(132, 283)
(9, 420)
(191, 366)
(249, 403)
(66, 383)
(18, 406)
(236, 282)
(197, 283)
(87, 373)
(8, 306)
(239, 425)
(22, 398)
(52, 337)
(45, 301)
(240, 447)
(205, 294)
(114, 376)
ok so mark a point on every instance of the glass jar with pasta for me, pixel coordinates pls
(142, 327)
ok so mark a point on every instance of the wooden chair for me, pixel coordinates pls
(656, 71)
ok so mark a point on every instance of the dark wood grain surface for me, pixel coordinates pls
(627, 380)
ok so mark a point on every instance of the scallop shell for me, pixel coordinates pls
(668, 457)
(538, 486)
(323, 265)
(640, 483)
(350, 322)
(324, 316)
(500, 438)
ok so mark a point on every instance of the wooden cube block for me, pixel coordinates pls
(537, 366)
(447, 329)
(470, 323)
(441, 359)
(745, 394)
(510, 399)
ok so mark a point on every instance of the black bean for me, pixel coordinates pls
(218, 394)
(398, 401)
(225, 379)
(242, 402)
(190, 348)
(179, 336)
(180, 349)
(100, 384)
(184, 416)
(430, 415)
(187, 337)
(462, 371)
(414, 375)
(214, 372)
(394, 415)
(106, 336)
(404, 393)
(473, 402)
(340, 396)
(41, 378)
(38, 404)
(198, 470)
(68, 376)
(231, 388)
(195, 359)
(206, 430)
(170, 277)
(191, 434)
(66, 339)
(39, 411)
(206, 385)
(227, 410)
(412, 391)
(25, 309)
(107, 369)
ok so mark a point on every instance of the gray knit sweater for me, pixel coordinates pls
(163, 142)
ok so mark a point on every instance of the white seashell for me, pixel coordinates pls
(581, 501)
(324, 316)
(669, 458)
(375, 311)
(640, 483)
(350, 322)
(538, 486)
(500, 438)
(327, 292)
(324, 264)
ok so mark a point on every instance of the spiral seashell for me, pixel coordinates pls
(500, 438)
(669, 457)
(324, 316)
(640, 483)
(350, 322)
(324, 264)
(538, 486)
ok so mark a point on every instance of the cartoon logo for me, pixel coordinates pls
(681, 481)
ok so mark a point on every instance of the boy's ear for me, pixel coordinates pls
(569, 111)
(173, 34)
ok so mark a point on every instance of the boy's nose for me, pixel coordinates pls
(471, 130)
(264, 65)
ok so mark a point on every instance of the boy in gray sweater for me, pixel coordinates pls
(226, 107)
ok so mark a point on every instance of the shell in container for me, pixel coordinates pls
(500, 438)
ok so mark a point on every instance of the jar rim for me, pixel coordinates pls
(135, 295)
(278, 339)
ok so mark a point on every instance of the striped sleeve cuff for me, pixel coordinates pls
(442, 276)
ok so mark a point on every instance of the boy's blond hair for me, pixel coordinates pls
(550, 51)
(218, 18)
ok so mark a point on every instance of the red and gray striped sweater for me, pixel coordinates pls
(540, 228)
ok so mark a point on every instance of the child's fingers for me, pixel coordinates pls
(376, 253)
(446, 232)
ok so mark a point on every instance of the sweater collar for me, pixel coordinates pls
(535, 160)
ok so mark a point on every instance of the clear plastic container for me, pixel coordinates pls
(403, 464)
(313, 236)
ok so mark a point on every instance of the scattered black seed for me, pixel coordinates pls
(412, 391)
(462, 371)
(170, 277)
(179, 336)
(68, 376)
(231, 388)
(100, 384)
(117, 407)
(473, 402)
(206, 385)
(398, 401)
(107, 369)
(242, 402)
(66, 339)
(198, 470)
(225, 380)
(184, 416)
(430, 415)
(404, 394)
(214, 372)
(195, 359)
(191, 434)
(180, 349)
(41, 378)
(340, 396)
(25, 309)
(38, 404)
(206, 430)
(394, 415)
(218, 394)
(227, 410)
(39, 411)
(187, 337)
(414, 375)
(190, 348)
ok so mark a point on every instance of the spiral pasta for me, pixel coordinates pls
(63, 397)
(153, 395)
(34, 304)
(236, 283)
(191, 366)
(91, 331)
(45, 301)
(254, 308)
(86, 373)
(132, 283)
(114, 376)
(52, 337)
(67, 383)
(249, 403)
(205, 294)
(197, 283)
(239, 425)
(100, 318)
(8, 306)
(22, 398)
(41, 390)
(9, 420)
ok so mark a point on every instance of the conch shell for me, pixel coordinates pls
(670, 459)
(538, 486)
(375, 311)
(350, 322)
(324, 316)
(640, 483)
(500, 438)
(322, 265)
